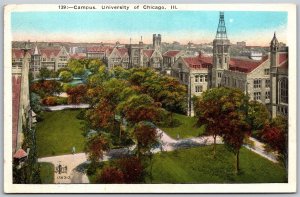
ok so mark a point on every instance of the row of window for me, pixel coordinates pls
(257, 83)
(201, 78)
(283, 110)
(257, 95)
(199, 88)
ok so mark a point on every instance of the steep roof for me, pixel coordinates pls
(19, 53)
(122, 51)
(20, 154)
(171, 53)
(16, 91)
(50, 51)
(245, 65)
(148, 52)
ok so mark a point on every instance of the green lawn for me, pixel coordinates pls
(58, 133)
(47, 172)
(186, 127)
(196, 165)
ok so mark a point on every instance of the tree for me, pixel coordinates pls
(77, 94)
(110, 175)
(76, 67)
(224, 111)
(95, 147)
(258, 116)
(132, 169)
(44, 73)
(35, 102)
(66, 76)
(275, 135)
(141, 108)
(94, 65)
(145, 134)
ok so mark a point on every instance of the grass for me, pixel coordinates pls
(185, 127)
(197, 165)
(47, 172)
(58, 133)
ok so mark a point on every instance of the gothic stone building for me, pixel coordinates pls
(264, 80)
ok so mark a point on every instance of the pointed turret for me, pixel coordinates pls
(274, 43)
(221, 53)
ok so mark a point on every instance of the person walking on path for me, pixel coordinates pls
(73, 150)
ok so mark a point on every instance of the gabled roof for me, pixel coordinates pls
(245, 65)
(16, 91)
(122, 51)
(148, 52)
(171, 53)
(20, 154)
(48, 52)
(19, 53)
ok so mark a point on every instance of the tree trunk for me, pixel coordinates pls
(237, 161)
(215, 144)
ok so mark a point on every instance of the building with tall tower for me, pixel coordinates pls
(264, 80)
(221, 53)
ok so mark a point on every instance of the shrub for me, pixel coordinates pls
(110, 175)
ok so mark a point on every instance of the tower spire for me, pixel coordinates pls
(221, 31)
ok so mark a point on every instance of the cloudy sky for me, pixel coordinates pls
(256, 28)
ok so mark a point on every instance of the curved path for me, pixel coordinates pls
(74, 175)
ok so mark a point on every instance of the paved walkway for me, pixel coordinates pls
(62, 107)
(75, 174)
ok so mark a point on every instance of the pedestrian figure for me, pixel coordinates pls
(177, 136)
(73, 150)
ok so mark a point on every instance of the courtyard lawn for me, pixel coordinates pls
(58, 133)
(197, 165)
(47, 172)
(185, 127)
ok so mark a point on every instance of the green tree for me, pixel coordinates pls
(66, 76)
(76, 67)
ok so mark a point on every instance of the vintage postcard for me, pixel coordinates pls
(150, 98)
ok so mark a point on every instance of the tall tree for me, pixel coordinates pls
(77, 94)
(76, 67)
(96, 146)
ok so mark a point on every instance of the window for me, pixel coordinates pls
(205, 78)
(198, 88)
(284, 90)
(268, 84)
(201, 78)
(267, 71)
(268, 95)
(234, 83)
(52, 59)
(257, 96)
(257, 83)
(44, 59)
(197, 78)
(225, 59)
(219, 75)
(62, 58)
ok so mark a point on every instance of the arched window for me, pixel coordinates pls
(201, 78)
(283, 85)
(197, 78)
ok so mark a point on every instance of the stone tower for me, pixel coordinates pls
(141, 52)
(221, 50)
(157, 42)
(36, 61)
(274, 49)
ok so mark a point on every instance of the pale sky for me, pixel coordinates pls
(255, 27)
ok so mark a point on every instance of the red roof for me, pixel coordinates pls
(284, 65)
(245, 65)
(171, 53)
(196, 62)
(16, 90)
(148, 52)
(78, 56)
(96, 49)
(283, 57)
(18, 53)
(122, 51)
(50, 51)
(20, 154)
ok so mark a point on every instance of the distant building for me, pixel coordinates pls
(169, 59)
(241, 44)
